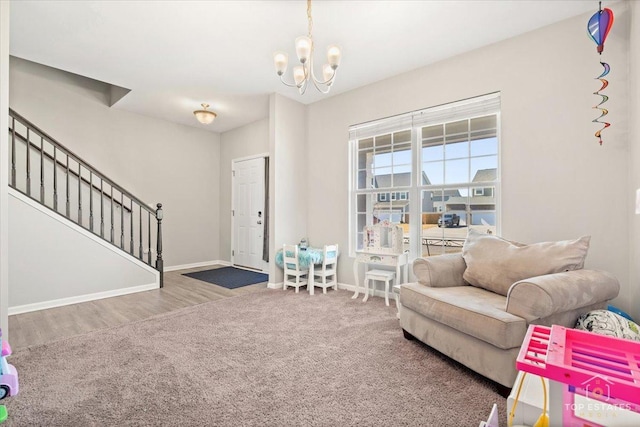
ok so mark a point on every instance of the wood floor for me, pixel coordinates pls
(40, 327)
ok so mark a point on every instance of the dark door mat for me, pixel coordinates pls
(229, 277)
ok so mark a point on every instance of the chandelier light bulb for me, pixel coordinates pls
(303, 48)
(299, 75)
(327, 73)
(280, 60)
(333, 56)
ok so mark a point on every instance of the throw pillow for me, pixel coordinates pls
(605, 322)
(495, 264)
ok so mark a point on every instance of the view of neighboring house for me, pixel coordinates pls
(477, 206)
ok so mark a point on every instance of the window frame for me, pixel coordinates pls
(413, 194)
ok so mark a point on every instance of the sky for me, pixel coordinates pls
(443, 164)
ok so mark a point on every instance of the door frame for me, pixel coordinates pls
(265, 264)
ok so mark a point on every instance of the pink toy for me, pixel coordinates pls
(8, 374)
(602, 368)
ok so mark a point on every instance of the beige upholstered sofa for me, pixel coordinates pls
(484, 329)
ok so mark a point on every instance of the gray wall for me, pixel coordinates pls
(52, 259)
(4, 124)
(157, 161)
(634, 162)
(244, 141)
(288, 175)
(557, 182)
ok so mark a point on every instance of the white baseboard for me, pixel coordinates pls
(274, 285)
(80, 298)
(197, 264)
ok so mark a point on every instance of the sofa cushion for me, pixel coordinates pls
(440, 271)
(495, 264)
(468, 309)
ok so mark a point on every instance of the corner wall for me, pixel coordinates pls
(156, 160)
(557, 182)
(4, 167)
(288, 175)
(634, 161)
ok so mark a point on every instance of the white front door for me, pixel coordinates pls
(248, 212)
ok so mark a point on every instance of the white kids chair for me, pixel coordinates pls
(379, 275)
(293, 274)
(328, 275)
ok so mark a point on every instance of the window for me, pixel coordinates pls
(434, 171)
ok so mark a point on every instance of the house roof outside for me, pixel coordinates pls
(485, 175)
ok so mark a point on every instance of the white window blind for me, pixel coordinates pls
(467, 108)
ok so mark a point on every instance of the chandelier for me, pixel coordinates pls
(304, 73)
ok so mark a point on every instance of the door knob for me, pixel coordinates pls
(259, 222)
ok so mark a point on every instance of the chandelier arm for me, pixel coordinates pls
(321, 82)
(317, 85)
(287, 84)
(317, 82)
(303, 88)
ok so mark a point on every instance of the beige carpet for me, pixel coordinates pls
(272, 358)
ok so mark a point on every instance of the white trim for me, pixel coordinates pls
(197, 264)
(80, 298)
(69, 223)
(274, 285)
(254, 156)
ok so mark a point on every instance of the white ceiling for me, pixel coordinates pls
(174, 55)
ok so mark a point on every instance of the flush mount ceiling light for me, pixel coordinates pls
(304, 73)
(205, 116)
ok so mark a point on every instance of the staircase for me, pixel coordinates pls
(55, 177)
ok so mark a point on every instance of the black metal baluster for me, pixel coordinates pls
(55, 179)
(159, 261)
(101, 207)
(28, 164)
(90, 200)
(68, 201)
(79, 194)
(13, 152)
(121, 220)
(131, 226)
(42, 170)
(149, 228)
(140, 226)
(112, 230)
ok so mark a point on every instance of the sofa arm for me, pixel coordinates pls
(441, 271)
(542, 296)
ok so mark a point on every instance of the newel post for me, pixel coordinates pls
(159, 262)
